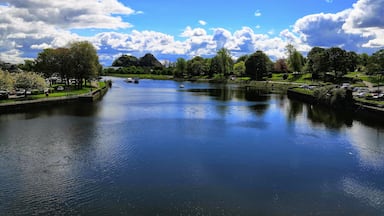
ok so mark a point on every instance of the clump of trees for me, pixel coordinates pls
(22, 80)
(78, 61)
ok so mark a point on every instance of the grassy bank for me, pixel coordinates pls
(68, 91)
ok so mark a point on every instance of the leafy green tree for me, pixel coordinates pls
(224, 61)
(196, 66)
(352, 61)
(242, 58)
(239, 68)
(256, 66)
(85, 62)
(337, 61)
(378, 58)
(46, 62)
(295, 59)
(29, 65)
(214, 66)
(181, 67)
(317, 62)
(362, 62)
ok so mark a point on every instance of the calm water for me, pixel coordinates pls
(155, 149)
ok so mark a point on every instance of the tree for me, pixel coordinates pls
(317, 62)
(362, 61)
(242, 58)
(280, 66)
(196, 66)
(181, 67)
(85, 62)
(256, 66)
(29, 65)
(337, 61)
(378, 58)
(29, 81)
(46, 62)
(352, 61)
(239, 68)
(6, 81)
(224, 61)
(295, 59)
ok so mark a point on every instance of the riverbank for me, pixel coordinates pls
(356, 107)
(25, 105)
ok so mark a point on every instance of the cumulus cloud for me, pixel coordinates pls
(326, 30)
(30, 25)
(366, 19)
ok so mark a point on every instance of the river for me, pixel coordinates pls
(156, 149)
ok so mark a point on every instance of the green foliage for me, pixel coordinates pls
(335, 97)
(85, 62)
(256, 66)
(79, 61)
(197, 66)
(239, 68)
(295, 59)
(224, 61)
(181, 67)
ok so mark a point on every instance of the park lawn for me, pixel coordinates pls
(375, 79)
(68, 92)
(305, 78)
(62, 93)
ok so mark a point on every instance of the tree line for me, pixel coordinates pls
(327, 64)
(78, 61)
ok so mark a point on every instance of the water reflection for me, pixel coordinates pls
(369, 145)
(368, 194)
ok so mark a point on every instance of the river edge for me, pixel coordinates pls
(20, 106)
(357, 108)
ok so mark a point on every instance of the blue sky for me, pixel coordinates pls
(185, 28)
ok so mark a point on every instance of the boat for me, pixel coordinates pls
(136, 80)
(129, 79)
(181, 86)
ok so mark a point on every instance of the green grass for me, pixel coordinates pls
(303, 91)
(305, 78)
(371, 102)
(69, 91)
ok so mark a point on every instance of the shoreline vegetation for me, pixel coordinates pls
(88, 94)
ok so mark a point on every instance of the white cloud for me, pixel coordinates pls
(30, 25)
(27, 26)
(202, 22)
(366, 19)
